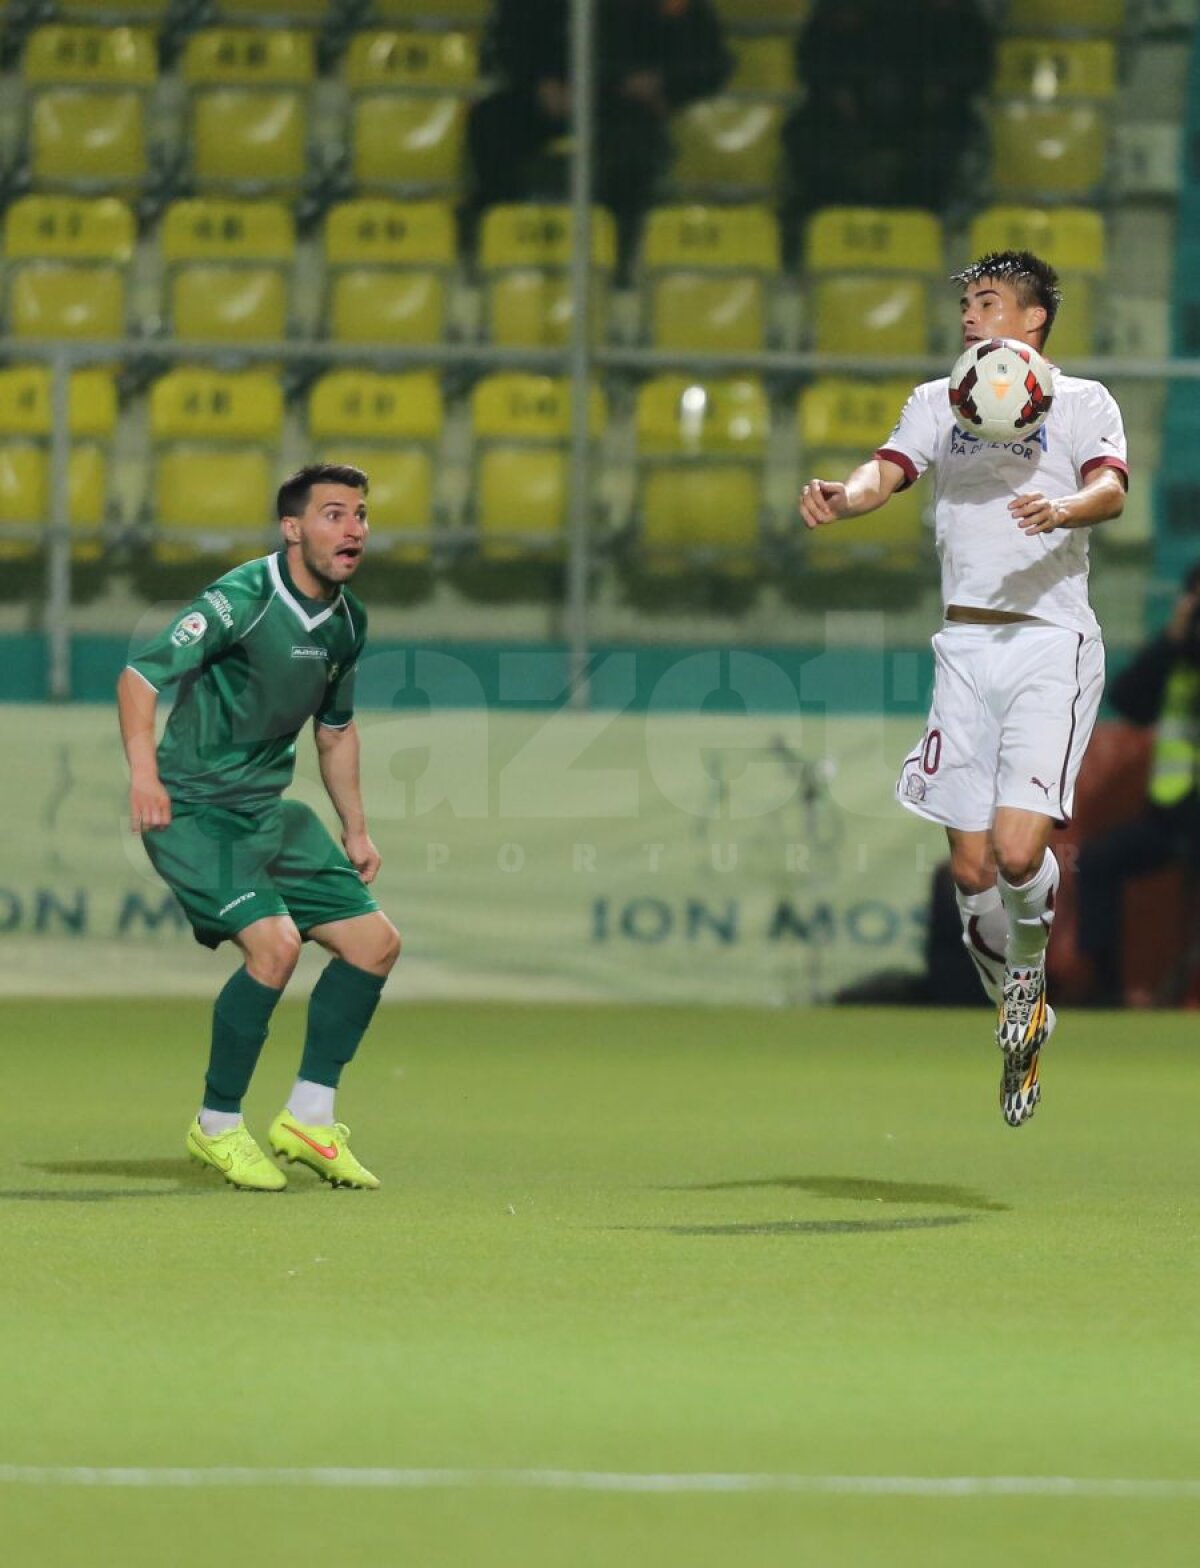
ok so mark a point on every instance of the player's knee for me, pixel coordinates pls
(1018, 857)
(274, 961)
(972, 872)
(389, 950)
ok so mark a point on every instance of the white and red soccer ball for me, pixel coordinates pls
(1001, 390)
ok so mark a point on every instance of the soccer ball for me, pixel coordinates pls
(1001, 390)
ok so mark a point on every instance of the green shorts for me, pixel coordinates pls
(231, 868)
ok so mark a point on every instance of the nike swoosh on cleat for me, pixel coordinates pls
(327, 1151)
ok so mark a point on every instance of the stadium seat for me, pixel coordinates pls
(215, 435)
(762, 63)
(466, 11)
(521, 425)
(1077, 16)
(742, 13)
(66, 262)
(86, 88)
(387, 265)
(26, 421)
(840, 421)
(1048, 150)
(294, 11)
(707, 277)
(249, 91)
(408, 96)
(701, 449)
(869, 268)
(524, 259)
(1072, 240)
(1055, 70)
(727, 147)
(227, 265)
(390, 426)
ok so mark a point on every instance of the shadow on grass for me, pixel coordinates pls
(188, 1181)
(858, 1189)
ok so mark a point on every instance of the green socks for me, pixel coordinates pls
(342, 1004)
(241, 1018)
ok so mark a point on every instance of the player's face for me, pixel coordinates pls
(990, 309)
(331, 533)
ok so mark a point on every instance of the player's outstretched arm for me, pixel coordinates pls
(337, 756)
(149, 803)
(873, 483)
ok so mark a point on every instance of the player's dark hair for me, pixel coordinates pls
(1034, 280)
(296, 488)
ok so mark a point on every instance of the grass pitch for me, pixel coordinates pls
(612, 1244)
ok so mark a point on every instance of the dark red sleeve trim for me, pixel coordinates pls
(901, 460)
(1106, 462)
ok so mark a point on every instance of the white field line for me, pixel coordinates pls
(390, 1479)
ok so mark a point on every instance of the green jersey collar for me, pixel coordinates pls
(299, 604)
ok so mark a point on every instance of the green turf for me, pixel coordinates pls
(609, 1239)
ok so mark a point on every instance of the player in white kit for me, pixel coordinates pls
(1019, 663)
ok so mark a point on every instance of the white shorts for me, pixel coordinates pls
(1012, 714)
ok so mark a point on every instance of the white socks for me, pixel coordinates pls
(312, 1103)
(214, 1123)
(1030, 910)
(985, 936)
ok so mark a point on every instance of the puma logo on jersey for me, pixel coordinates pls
(1045, 788)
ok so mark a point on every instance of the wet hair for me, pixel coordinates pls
(1034, 280)
(296, 488)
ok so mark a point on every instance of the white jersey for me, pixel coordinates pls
(987, 562)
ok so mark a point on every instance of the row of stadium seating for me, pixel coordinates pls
(215, 442)
(385, 272)
(93, 112)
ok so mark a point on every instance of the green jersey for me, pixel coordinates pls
(255, 660)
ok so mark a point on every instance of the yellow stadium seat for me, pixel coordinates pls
(874, 239)
(868, 268)
(387, 264)
(250, 99)
(840, 421)
(66, 264)
(1071, 239)
(787, 13)
(215, 435)
(286, 10)
(1055, 70)
(387, 58)
(1085, 16)
(150, 11)
(227, 266)
(763, 63)
(708, 272)
(87, 87)
(524, 257)
(407, 140)
(388, 425)
(727, 145)
(521, 424)
(701, 448)
(25, 427)
(430, 10)
(1048, 150)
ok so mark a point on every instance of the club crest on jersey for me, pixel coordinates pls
(190, 629)
(309, 652)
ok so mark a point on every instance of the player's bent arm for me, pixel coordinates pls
(149, 803)
(867, 489)
(1100, 498)
(337, 757)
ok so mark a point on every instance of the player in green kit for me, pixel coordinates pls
(268, 647)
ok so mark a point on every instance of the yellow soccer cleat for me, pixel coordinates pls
(237, 1157)
(1020, 1089)
(325, 1150)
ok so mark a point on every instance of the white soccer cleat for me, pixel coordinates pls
(1020, 1089)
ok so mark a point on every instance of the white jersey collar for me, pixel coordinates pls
(309, 622)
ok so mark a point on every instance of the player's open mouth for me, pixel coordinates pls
(348, 552)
